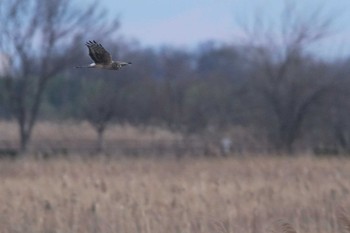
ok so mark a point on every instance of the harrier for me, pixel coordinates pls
(102, 58)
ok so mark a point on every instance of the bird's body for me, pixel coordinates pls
(102, 58)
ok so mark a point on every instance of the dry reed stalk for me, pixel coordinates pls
(281, 226)
(342, 216)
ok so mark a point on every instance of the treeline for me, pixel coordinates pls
(213, 88)
(271, 85)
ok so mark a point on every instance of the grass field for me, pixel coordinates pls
(76, 131)
(166, 196)
(51, 138)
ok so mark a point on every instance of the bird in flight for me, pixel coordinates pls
(102, 58)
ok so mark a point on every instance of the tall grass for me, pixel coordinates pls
(165, 196)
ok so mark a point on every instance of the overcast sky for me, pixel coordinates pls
(185, 23)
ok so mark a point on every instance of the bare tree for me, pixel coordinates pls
(335, 134)
(41, 38)
(286, 76)
(101, 105)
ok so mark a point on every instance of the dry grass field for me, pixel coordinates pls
(76, 137)
(123, 195)
(79, 137)
(82, 131)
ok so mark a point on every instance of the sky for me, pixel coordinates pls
(186, 23)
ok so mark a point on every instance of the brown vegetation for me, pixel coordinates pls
(192, 196)
(75, 137)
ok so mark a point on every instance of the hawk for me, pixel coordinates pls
(102, 58)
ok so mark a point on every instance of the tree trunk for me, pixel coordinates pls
(100, 146)
(24, 140)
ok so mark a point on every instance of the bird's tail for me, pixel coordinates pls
(83, 67)
(92, 65)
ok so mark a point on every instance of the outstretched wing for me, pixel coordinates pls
(98, 54)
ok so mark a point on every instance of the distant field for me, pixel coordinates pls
(75, 131)
(166, 196)
(70, 137)
(80, 137)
